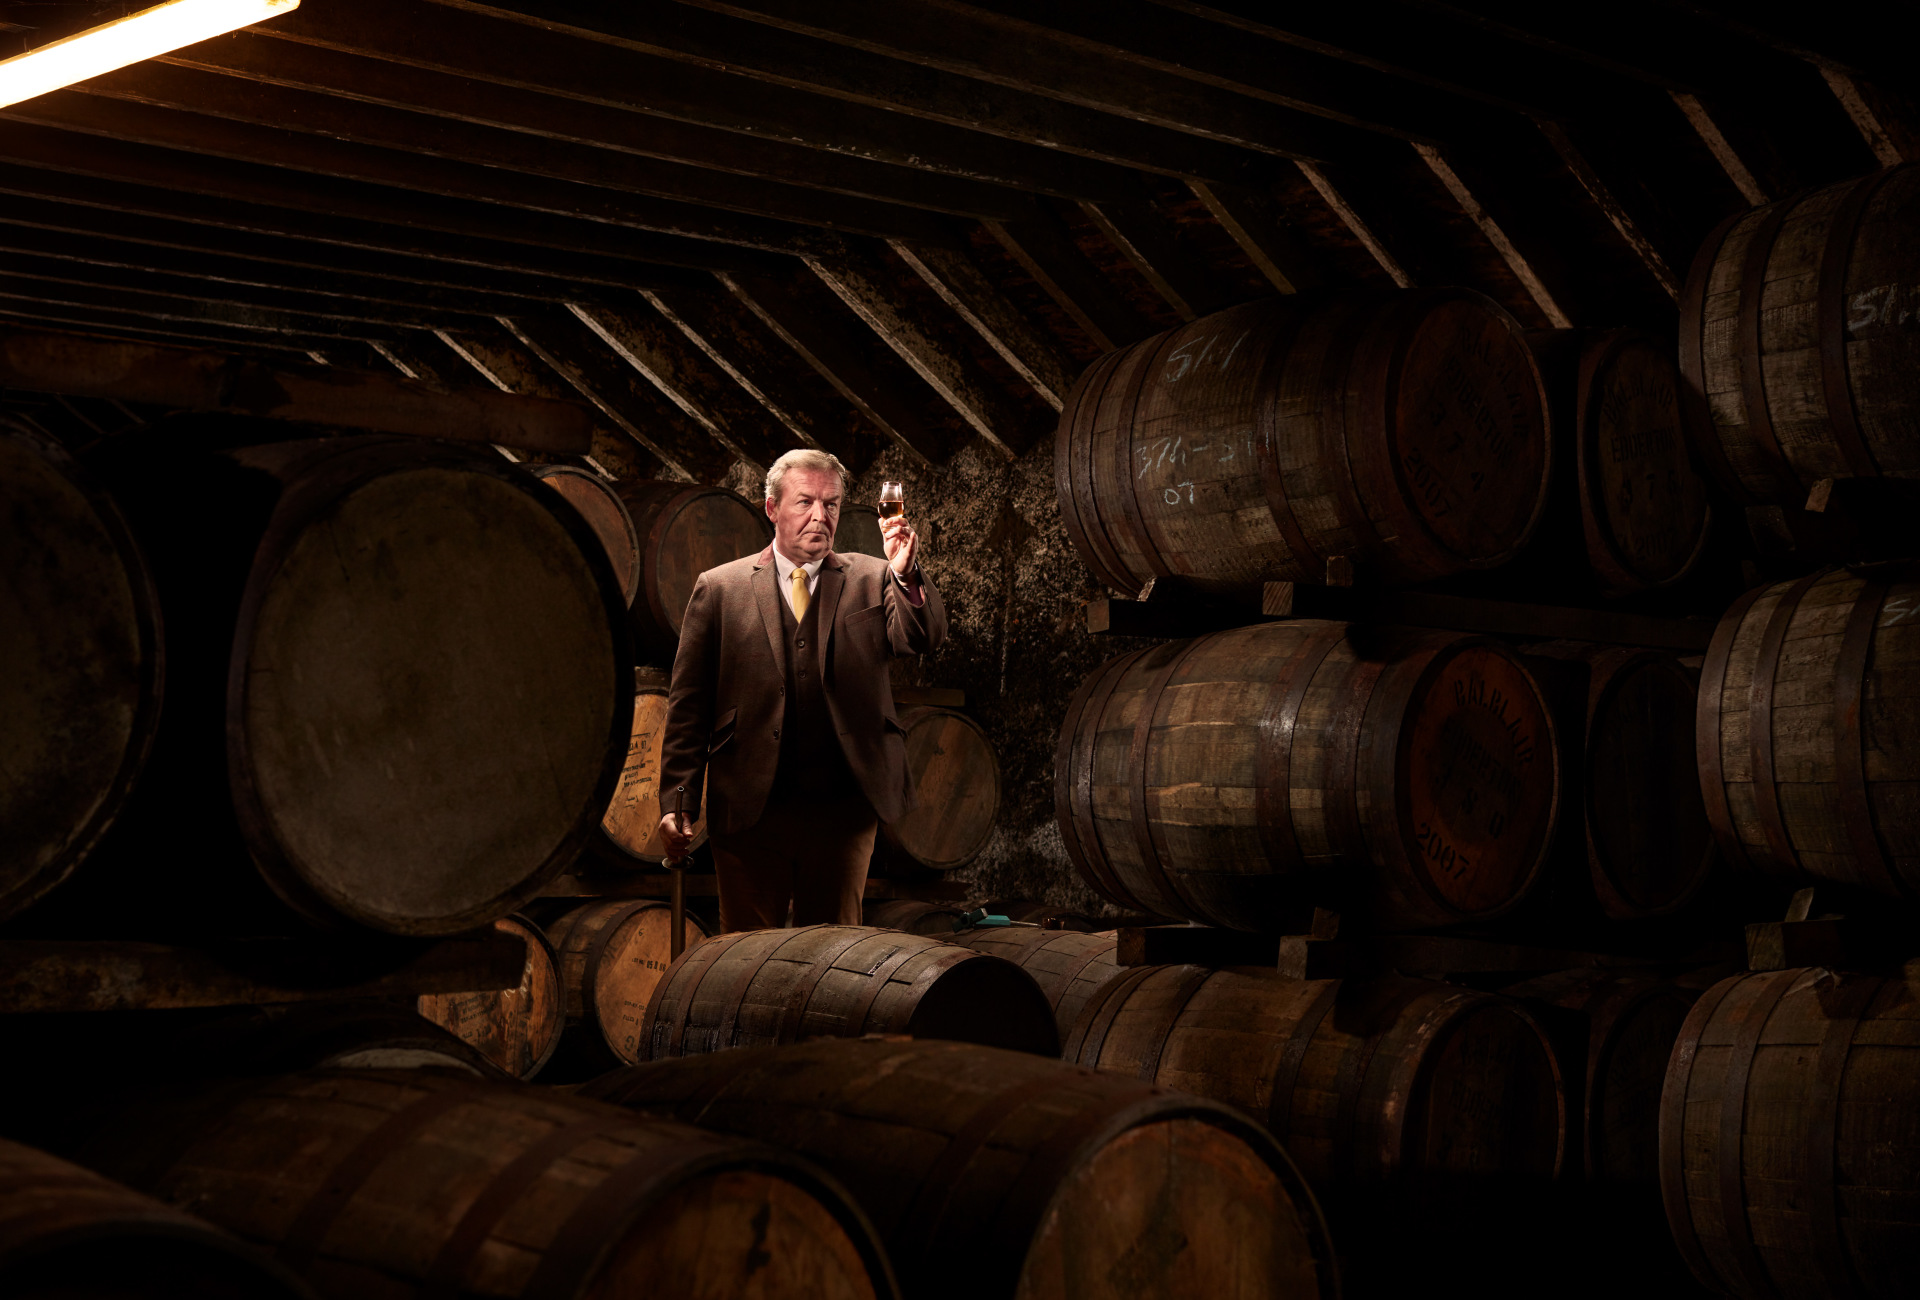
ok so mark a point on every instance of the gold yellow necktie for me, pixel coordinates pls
(799, 581)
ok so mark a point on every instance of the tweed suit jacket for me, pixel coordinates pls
(728, 699)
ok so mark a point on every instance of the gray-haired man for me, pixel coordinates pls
(781, 695)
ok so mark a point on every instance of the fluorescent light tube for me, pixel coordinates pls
(128, 40)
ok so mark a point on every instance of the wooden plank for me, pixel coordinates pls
(1357, 225)
(38, 975)
(72, 290)
(1524, 268)
(783, 306)
(702, 885)
(958, 279)
(1889, 126)
(862, 282)
(1255, 220)
(633, 405)
(1623, 221)
(1148, 240)
(1042, 245)
(120, 327)
(687, 377)
(210, 381)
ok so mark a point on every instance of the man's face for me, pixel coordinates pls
(806, 514)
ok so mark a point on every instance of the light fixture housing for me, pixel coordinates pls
(127, 40)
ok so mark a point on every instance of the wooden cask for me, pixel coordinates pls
(67, 1234)
(1808, 729)
(1048, 1181)
(1790, 1136)
(399, 687)
(630, 828)
(518, 1028)
(1795, 338)
(1421, 1113)
(1649, 848)
(600, 505)
(1408, 772)
(613, 955)
(354, 1034)
(1069, 966)
(684, 531)
(1405, 433)
(756, 988)
(1643, 508)
(859, 531)
(934, 920)
(956, 779)
(80, 664)
(405, 1184)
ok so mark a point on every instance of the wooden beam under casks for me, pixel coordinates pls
(186, 379)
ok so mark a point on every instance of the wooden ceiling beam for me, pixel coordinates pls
(831, 350)
(1150, 242)
(682, 445)
(72, 291)
(958, 279)
(510, 50)
(1255, 220)
(1344, 206)
(821, 66)
(1044, 247)
(66, 318)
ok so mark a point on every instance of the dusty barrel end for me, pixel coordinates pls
(599, 504)
(1069, 966)
(517, 1029)
(612, 957)
(956, 779)
(684, 531)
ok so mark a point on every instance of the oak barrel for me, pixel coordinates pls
(1649, 848)
(755, 988)
(1405, 433)
(80, 664)
(352, 1034)
(399, 686)
(600, 505)
(1796, 340)
(956, 781)
(518, 1028)
(1411, 1107)
(411, 1183)
(1643, 508)
(1048, 1181)
(67, 1234)
(859, 531)
(1808, 729)
(1789, 1149)
(1410, 772)
(630, 828)
(1069, 966)
(612, 955)
(684, 531)
(935, 920)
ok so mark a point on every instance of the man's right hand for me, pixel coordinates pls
(675, 834)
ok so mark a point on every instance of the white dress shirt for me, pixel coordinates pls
(783, 569)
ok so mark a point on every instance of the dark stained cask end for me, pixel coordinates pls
(629, 834)
(1808, 729)
(762, 987)
(684, 531)
(68, 1234)
(600, 505)
(1643, 507)
(1068, 965)
(80, 664)
(1049, 1181)
(1788, 1147)
(1797, 344)
(518, 1028)
(413, 1184)
(1405, 433)
(859, 531)
(612, 956)
(1410, 773)
(934, 920)
(956, 781)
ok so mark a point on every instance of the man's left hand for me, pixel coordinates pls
(902, 544)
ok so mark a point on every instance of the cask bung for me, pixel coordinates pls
(411, 1183)
(1047, 1180)
(1405, 433)
(1411, 773)
(80, 664)
(1069, 966)
(66, 1234)
(761, 987)
(1789, 1154)
(611, 956)
(1808, 729)
(956, 780)
(600, 505)
(516, 1029)
(1797, 344)
(684, 531)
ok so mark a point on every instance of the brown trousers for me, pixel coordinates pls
(812, 855)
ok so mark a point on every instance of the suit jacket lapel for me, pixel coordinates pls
(831, 581)
(766, 594)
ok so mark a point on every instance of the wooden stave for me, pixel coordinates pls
(654, 506)
(151, 674)
(623, 546)
(581, 938)
(1841, 811)
(1362, 338)
(1089, 963)
(912, 1197)
(58, 1219)
(1814, 1021)
(867, 1003)
(206, 1146)
(540, 956)
(1813, 238)
(1362, 742)
(899, 838)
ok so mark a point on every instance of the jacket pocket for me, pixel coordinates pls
(871, 616)
(722, 732)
